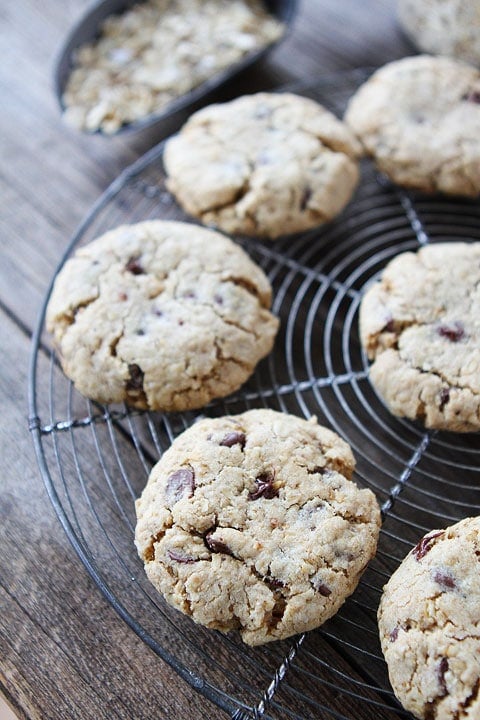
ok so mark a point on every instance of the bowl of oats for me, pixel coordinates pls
(129, 64)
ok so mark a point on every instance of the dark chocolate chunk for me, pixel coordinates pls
(274, 583)
(264, 487)
(473, 96)
(318, 470)
(234, 438)
(444, 397)
(216, 545)
(180, 484)
(442, 669)
(307, 194)
(134, 266)
(425, 544)
(453, 332)
(445, 580)
(179, 557)
(135, 381)
(394, 634)
(389, 326)
(323, 589)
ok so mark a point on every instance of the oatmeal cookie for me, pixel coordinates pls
(251, 522)
(429, 622)
(419, 119)
(420, 324)
(443, 27)
(263, 165)
(161, 315)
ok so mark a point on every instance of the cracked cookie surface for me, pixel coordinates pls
(429, 622)
(161, 315)
(420, 324)
(263, 165)
(251, 522)
(419, 118)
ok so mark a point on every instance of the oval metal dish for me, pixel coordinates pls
(87, 29)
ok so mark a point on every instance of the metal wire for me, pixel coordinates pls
(95, 460)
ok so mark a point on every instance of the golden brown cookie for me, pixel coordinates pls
(161, 315)
(263, 165)
(420, 324)
(429, 621)
(419, 119)
(251, 522)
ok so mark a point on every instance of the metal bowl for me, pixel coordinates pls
(88, 29)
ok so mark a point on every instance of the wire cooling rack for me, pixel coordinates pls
(95, 460)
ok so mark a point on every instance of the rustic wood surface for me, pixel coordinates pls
(64, 652)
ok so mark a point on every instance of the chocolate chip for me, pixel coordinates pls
(122, 296)
(180, 484)
(134, 266)
(323, 589)
(215, 545)
(135, 381)
(444, 397)
(442, 669)
(389, 326)
(318, 470)
(275, 583)
(234, 438)
(278, 610)
(307, 194)
(265, 487)
(473, 96)
(453, 332)
(445, 580)
(425, 545)
(179, 557)
(394, 634)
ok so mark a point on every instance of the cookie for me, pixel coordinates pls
(420, 324)
(429, 623)
(419, 119)
(161, 315)
(443, 27)
(251, 522)
(263, 165)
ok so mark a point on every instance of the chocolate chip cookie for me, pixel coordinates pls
(251, 522)
(420, 324)
(263, 165)
(161, 315)
(443, 27)
(419, 119)
(429, 621)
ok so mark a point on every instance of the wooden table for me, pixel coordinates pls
(64, 652)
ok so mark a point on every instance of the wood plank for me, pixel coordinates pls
(64, 651)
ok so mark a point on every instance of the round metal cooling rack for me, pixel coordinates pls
(95, 460)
